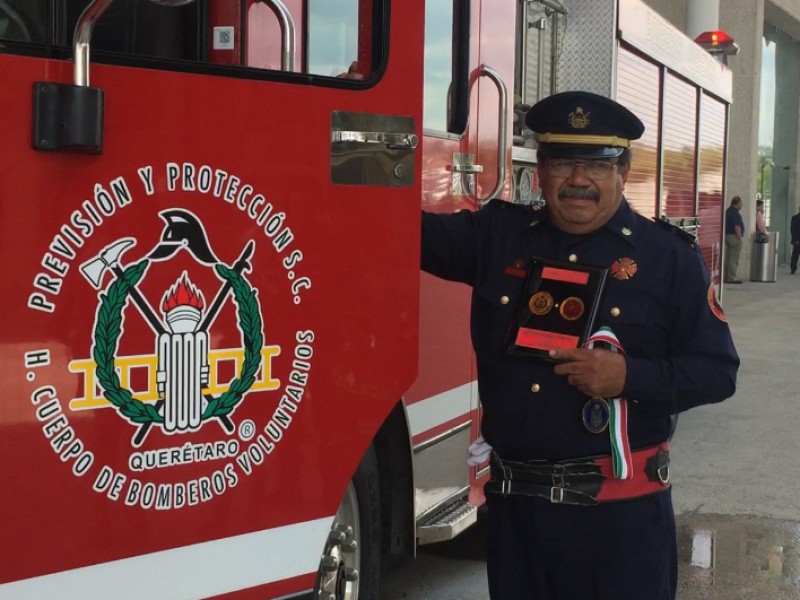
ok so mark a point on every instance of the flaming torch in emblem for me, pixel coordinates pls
(182, 357)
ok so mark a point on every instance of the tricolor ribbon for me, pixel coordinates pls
(618, 410)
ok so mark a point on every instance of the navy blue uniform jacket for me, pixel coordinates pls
(678, 346)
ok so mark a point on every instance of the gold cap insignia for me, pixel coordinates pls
(578, 119)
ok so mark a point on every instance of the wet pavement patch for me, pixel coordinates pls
(737, 557)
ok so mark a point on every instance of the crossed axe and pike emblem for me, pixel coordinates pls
(182, 336)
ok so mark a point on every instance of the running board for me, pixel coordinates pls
(447, 523)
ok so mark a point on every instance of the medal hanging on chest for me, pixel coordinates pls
(612, 414)
(595, 415)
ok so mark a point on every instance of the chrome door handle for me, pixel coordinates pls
(466, 168)
(390, 140)
(502, 135)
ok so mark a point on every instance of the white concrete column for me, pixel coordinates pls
(785, 139)
(744, 20)
(701, 15)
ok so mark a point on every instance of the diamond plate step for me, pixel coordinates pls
(447, 523)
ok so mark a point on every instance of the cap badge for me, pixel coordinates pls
(578, 119)
(623, 268)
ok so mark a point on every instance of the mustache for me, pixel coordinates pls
(578, 192)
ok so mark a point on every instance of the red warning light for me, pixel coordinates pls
(717, 41)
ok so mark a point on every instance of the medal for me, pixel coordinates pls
(571, 308)
(595, 415)
(540, 303)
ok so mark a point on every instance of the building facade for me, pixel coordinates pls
(763, 157)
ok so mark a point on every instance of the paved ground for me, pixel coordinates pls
(736, 475)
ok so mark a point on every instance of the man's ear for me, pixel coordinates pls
(623, 172)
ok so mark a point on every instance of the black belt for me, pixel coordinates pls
(585, 482)
(556, 494)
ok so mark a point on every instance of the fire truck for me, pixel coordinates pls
(224, 374)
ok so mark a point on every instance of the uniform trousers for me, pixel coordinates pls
(624, 550)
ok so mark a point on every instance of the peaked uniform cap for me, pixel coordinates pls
(583, 125)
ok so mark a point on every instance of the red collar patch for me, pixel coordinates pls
(517, 269)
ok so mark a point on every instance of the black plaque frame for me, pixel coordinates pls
(573, 293)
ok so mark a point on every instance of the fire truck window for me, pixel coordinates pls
(142, 28)
(333, 41)
(438, 64)
(329, 38)
(446, 91)
(23, 20)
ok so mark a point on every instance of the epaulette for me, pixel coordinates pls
(532, 212)
(687, 237)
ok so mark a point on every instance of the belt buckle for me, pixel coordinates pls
(558, 476)
(556, 495)
(663, 474)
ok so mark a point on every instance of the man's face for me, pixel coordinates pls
(578, 203)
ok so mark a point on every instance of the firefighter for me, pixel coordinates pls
(579, 499)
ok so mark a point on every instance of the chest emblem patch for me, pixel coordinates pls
(624, 268)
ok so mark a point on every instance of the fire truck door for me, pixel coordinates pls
(298, 186)
(463, 160)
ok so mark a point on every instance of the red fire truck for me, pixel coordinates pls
(223, 374)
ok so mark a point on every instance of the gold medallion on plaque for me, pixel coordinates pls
(571, 308)
(540, 303)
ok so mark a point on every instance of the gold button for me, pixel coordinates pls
(573, 258)
(504, 300)
(535, 387)
(615, 312)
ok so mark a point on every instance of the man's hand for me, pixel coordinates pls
(595, 372)
(352, 72)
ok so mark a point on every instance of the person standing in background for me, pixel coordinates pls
(795, 231)
(761, 226)
(734, 233)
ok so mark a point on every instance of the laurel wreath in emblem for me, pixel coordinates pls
(109, 328)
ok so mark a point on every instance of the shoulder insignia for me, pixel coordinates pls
(714, 304)
(675, 230)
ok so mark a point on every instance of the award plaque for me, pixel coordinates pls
(557, 307)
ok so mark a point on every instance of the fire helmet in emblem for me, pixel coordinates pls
(183, 230)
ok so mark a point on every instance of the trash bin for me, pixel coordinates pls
(764, 257)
